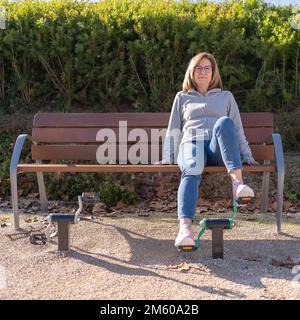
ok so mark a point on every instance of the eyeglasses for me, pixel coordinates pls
(206, 69)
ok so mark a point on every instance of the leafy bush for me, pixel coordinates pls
(131, 55)
(112, 192)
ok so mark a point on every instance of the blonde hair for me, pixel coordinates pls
(189, 80)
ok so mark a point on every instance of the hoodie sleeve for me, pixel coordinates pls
(174, 132)
(234, 114)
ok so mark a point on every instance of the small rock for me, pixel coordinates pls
(3, 225)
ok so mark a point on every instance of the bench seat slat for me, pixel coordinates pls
(257, 119)
(88, 152)
(134, 119)
(88, 135)
(104, 120)
(128, 168)
(83, 135)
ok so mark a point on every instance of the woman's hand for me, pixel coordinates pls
(163, 161)
(251, 162)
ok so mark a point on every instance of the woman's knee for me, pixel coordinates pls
(190, 182)
(193, 167)
(223, 124)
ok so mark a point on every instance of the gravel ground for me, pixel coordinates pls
(133, 257)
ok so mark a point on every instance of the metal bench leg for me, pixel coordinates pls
(265, 190)
(13, 177)
(42, 190)
(63, 235)
(280, 177)
(217, 243)
(280, 186)
(14, 196)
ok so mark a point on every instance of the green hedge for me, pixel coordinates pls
(131, 55)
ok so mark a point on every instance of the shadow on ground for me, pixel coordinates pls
(246, 262)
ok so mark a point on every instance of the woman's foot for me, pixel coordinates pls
(241, 190)
(185, 234)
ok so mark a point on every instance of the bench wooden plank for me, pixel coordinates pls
(88, 135)
(257, 119)
(76, 152)
(33, 167)
(101, 120)
(139, 120)
(88, 152)
(258, 135)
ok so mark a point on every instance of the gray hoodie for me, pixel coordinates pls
(192, 111)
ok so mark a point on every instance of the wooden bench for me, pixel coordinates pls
(72, 136)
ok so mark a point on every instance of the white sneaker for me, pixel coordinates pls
(185, 234)
(241, 190)
(182, 240)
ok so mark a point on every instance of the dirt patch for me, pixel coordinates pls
(133, 257)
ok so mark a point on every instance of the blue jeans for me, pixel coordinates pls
(193, 156)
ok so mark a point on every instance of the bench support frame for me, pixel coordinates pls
(280, 172)
(280, 177)
(14, 181)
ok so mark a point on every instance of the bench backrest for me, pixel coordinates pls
(72, 136)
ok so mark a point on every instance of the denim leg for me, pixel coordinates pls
(224, 146)
(191, 163)
(187, 196)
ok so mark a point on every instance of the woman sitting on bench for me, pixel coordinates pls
(205, 125)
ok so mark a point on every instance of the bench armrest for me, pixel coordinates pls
(18, 149)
